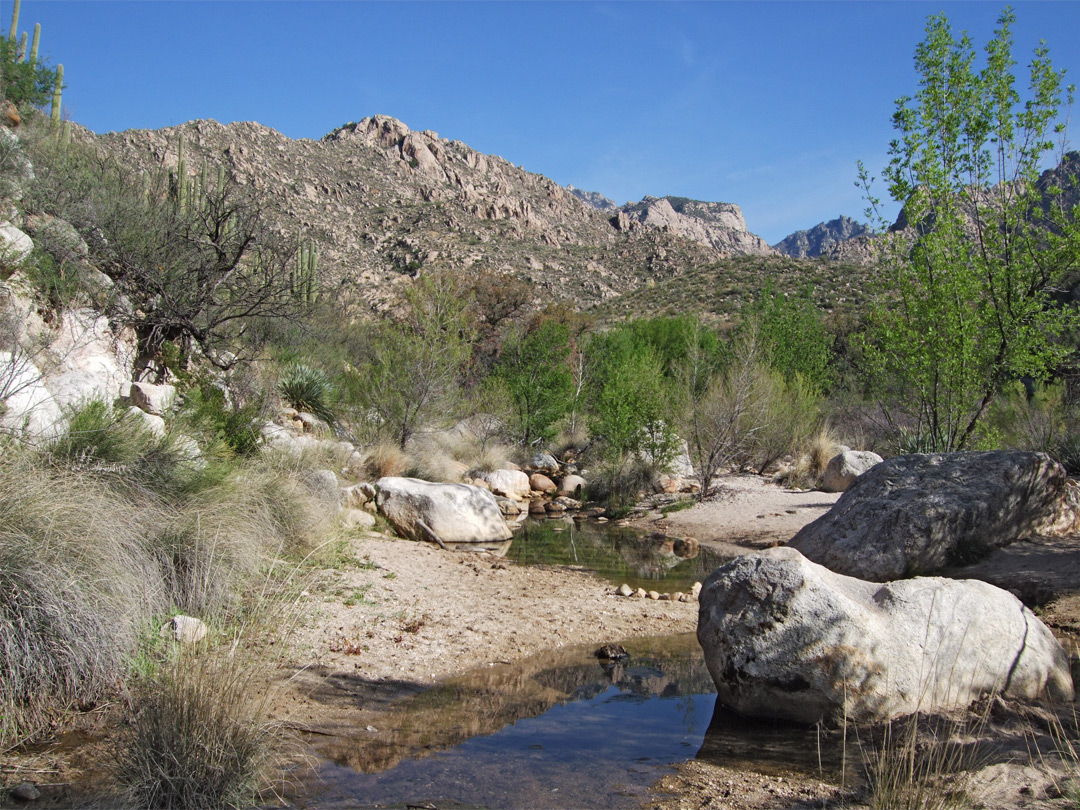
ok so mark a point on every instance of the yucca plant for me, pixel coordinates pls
(307, 388)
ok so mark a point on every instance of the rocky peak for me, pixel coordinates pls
(821, 239)
(593, 198)
(717, 225)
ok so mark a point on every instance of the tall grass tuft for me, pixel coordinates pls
(922, 762)
(198, 738)
(76, 587)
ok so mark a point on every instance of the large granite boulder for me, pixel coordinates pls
(787, 638)
(453, 513)
(845, 467)
(919, 514)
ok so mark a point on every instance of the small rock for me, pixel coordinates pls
(26, 792)
(653, 595)
(357, 519)
(695, 590)
(625, 590)
(185, 629)
(541, 483)
(679, 596)
(612, 652)
(665, 597)
(640, 593)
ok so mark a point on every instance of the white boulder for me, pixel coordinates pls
(453, 513)
(845, 467)
(787, 638)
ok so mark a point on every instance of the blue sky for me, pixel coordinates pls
(767, 105)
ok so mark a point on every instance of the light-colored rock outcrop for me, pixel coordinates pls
(845, 467)
(508, 483)
(919, 514)
(155, 399)
(787, 638)
(452, 513)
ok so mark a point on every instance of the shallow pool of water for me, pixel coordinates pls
(560, 730)
(615, 553)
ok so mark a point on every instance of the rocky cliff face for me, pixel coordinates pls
(593, 198)
(820, 239)
(717, 225)
(386, 203)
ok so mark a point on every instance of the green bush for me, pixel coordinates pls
(307, 388)
(207, 412)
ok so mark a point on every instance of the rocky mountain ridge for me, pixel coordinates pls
(821, 239)
(385, 203)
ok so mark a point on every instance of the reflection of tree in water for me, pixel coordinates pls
(617, 553)
(489, 699)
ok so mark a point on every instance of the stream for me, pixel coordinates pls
(560, 729)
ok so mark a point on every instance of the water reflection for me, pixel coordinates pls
(615, 553)
(557, 730)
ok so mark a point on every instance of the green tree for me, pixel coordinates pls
(966, 303)
(24, 82)
(413, 367)
(534, 366)
(792, 335)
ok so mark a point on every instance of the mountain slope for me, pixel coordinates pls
(385, 203)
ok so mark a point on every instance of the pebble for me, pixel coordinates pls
(625, 590)
(640, 593)
(26, 792)
(653, 595)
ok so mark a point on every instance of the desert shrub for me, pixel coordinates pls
(620, 485)
(307, 388)
(1027, 418)
(115, 445)
(75, 587)
(206, 412)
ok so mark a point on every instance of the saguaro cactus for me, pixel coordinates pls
(34, 44)
(14, 23)
(20, 55)
(57, 88)
(304, 281)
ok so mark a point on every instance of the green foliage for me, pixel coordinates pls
(207, 413)
(794, 338)
(534, 367)
(966, 304)
(411, 369)
(630, 408)
(25, 83)
(307, 388)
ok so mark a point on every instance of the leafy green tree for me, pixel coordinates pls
(23, 82)
(966, 304)
(534, 366)
(413, 367)
(792, 335)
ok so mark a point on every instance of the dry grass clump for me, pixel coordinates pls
(76, 586)
(923, 762)
(386, 460)
(86, 565)
(812, 461)
(198, 737)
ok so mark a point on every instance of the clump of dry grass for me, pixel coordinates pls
(810, 465)
(76, 585)
(385, 460)
(198, 737)
(923, 762)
